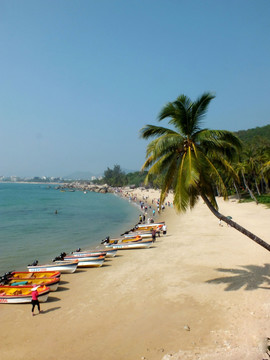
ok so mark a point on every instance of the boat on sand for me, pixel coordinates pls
(130, 245)
(149, 227)
(106, 252)
(122, 239)
(84, 260)
(65, 267)
(88, 261)
(51, 283)
(142, 234)
(33, 275)
(21, 294)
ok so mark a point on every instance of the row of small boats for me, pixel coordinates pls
(16, 287)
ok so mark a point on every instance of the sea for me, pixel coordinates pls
(38, 222)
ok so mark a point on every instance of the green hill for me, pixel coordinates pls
(250, 135)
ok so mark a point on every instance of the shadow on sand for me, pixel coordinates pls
(62, 288)
(251, 277)
(52, 299)
(104, 265)
(63, 282)
(51, 309)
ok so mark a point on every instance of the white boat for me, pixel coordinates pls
(108, 253)
(130, 246)
(111, 253)
(81, 257)
(65, 267)
(89, 261)
(143, 235)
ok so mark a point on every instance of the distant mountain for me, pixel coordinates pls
(251, 134)
(80, 175)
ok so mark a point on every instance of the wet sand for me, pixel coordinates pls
(200, 292)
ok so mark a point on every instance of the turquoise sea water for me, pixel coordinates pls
(30, 229)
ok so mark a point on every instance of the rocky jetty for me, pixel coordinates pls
(86, 187)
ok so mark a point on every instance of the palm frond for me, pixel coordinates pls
(162, 164)
(167, 111)
(219, 142)
(151, 130)
(227, 168)
(181, 195)
(177, 111)
(214, 174)
(169, 177)
(192, 174)
(171, 143)
(147, 163)
(193, 196)
(266, 169)
(199, 109)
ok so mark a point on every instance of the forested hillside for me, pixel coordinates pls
(251, 134)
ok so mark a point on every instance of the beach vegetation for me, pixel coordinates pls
(194, 161)
(136, 178)
(253, 168)
(115, 177)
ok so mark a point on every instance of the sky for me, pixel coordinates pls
(79, 79)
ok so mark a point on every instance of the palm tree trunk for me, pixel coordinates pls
(236, 190)
(248, 189)
(257, 187)
(233, 224)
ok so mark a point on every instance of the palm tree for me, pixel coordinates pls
(241, 168)
(189, 157)
(266, 170)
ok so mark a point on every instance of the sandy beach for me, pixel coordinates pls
(201, 292)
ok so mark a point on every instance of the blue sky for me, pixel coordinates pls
(79, 79)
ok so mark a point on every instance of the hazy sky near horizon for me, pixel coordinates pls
(79, 79)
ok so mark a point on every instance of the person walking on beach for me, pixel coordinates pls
(35, 300)
(164, 229)
(153, 235)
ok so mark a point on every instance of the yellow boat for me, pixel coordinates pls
(21, 294)
(34, 275)
(51, 283)
(135, 238)
(149, 227)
